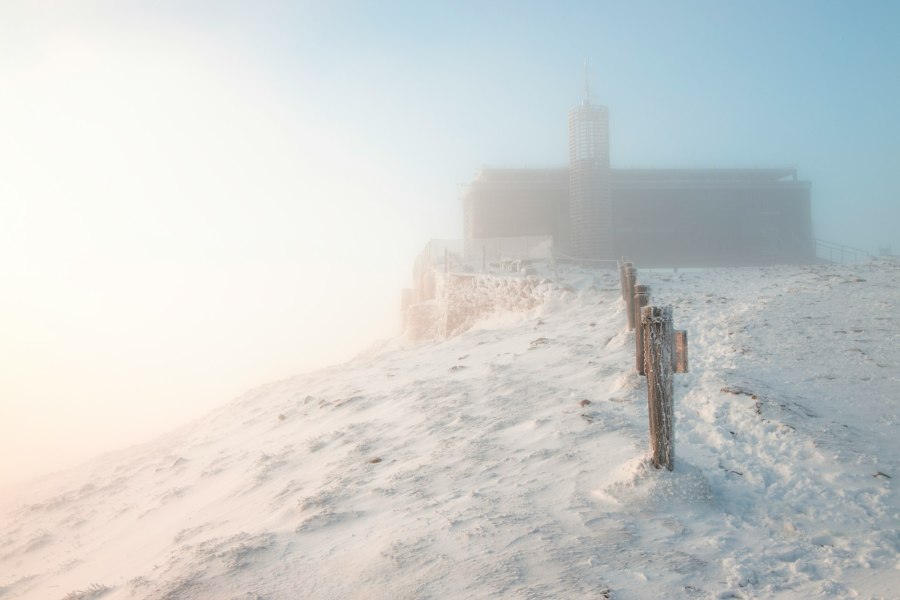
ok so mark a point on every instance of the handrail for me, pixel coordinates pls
(558, 254)
(844, 250)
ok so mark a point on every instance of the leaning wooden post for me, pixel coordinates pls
(641, 299)
(659, 346)
(630, 280)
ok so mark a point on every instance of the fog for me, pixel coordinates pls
(197, 198)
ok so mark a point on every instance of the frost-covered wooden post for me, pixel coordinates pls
(622, 266)
(659, 347)
(630, 280)
(681, 351)
(641, 299)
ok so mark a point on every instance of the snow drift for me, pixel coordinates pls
(509, 462)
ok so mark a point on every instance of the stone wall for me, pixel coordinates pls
(461, 299)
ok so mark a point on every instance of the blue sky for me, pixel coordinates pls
(198, 197)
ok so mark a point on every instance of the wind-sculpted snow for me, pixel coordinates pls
(510, 462)
(463, 299)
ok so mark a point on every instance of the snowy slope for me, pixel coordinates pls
(473, 468)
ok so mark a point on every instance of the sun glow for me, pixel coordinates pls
(176, 234)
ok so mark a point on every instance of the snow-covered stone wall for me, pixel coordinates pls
(461, 299)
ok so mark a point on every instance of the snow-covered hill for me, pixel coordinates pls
(508, 462)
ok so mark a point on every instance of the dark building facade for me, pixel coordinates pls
(656, 217)
(518, 202)
(712, 217)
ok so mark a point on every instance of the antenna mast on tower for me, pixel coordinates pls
(587, 84)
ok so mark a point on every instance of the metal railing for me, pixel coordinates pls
(839, 253)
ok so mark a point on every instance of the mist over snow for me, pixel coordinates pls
(510, 462)
(199, 196)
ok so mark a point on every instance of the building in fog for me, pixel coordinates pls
(590, 202)
(656, 217)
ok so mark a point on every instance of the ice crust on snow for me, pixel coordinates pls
(495, 479)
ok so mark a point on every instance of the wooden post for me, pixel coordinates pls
(681, 351)
(641, 299)
(630, 280)
(622, 267)
(658, 349)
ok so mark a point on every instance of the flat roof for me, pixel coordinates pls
(723, 175)
(508, 174)
(729, 174)
(492, 178)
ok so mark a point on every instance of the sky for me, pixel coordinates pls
(197, 198)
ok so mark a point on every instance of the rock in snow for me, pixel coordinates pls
(523, 475)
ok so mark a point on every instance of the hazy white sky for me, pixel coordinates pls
(199, 197)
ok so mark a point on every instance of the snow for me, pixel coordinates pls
(472, 467)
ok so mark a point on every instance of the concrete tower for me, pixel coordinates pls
(590, 201)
